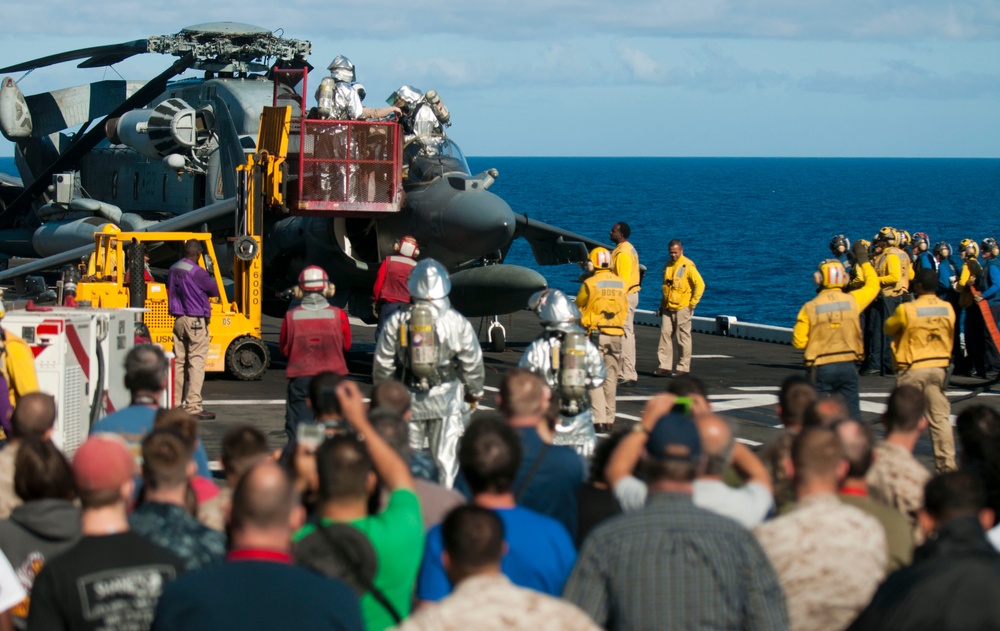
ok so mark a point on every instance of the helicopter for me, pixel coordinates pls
(162, 154)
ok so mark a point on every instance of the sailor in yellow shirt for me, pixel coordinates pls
(682, 289)
(603, 308)
(828, 328)
(893, 267)
(625, 265)
(922, 333)
(17, 365)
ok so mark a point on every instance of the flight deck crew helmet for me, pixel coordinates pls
(920, 242)
(831, 274)
(839, 244)
(969, 248)
(342, 68)
(887, 235)
(409, 96)
(942, 249)
(313, 279)
(429, 280)
(989, 244)
(600, 258)
(902, 238)
(407, 246)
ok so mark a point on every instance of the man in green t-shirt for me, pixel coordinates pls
(348, 471)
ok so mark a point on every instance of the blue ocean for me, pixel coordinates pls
(755, 227)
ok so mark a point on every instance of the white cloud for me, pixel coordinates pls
(901, 20)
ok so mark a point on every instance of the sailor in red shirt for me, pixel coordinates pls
(390, 291)
(314, 336)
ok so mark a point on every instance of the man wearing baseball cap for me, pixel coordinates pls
(624, 572)
(112, 578)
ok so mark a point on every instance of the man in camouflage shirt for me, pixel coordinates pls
(896, 478)
(830, 557)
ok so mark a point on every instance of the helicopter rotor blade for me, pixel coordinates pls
(94, 56)
(83, 143)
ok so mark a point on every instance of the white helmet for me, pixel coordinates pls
(342, 68)
(313, 278)
(429, 280)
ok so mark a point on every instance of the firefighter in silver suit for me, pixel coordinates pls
(570, 364)
(434, 350)
(336, 99)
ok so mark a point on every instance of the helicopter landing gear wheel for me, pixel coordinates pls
(247, 358)
(497, 335)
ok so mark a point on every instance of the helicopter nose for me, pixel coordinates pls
(478, 224)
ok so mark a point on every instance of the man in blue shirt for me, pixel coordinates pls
(145, 377)
(988, 283)
(189, 287)
(550, 476)
(258, 586)
(540, 553)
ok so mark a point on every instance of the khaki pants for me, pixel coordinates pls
(931, 381)
(603, 399)
(628, 341)
(675, 328)
(191, 351)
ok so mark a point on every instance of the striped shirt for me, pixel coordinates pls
(673, 565)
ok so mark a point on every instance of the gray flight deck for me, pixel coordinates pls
(742, 377)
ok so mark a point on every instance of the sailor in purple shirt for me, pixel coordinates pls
(189, 287)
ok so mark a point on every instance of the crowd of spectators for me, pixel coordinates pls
(672, 524)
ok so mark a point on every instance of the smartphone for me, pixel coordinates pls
(682, 405)
(310, 435)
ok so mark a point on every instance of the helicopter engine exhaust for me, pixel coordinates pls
(172, 127)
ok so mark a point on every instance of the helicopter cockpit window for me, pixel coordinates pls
(429, 157)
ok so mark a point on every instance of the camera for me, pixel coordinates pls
(310, 435)
(682, 405)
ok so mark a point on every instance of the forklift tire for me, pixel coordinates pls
(247, 358)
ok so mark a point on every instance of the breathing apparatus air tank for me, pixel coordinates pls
(324, 96)
(423, 346)
(439, 108)
(573, 372)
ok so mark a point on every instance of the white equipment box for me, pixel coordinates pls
(79, 359)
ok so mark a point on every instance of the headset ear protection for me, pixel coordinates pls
(329, 292)
(407, 246)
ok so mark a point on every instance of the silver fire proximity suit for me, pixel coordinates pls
(439, 402)
(544, 356)
(337, 99)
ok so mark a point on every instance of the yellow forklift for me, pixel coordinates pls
(115, 273)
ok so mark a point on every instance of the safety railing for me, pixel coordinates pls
(349, 168)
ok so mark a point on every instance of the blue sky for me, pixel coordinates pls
(852, 78)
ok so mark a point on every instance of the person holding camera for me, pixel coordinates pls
(314, 336)
(683, 287)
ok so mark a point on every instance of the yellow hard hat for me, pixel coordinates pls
(888, 234)
(831, 274)
(601, 258)
(970, 247)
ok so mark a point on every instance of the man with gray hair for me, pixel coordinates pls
(146, 373)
